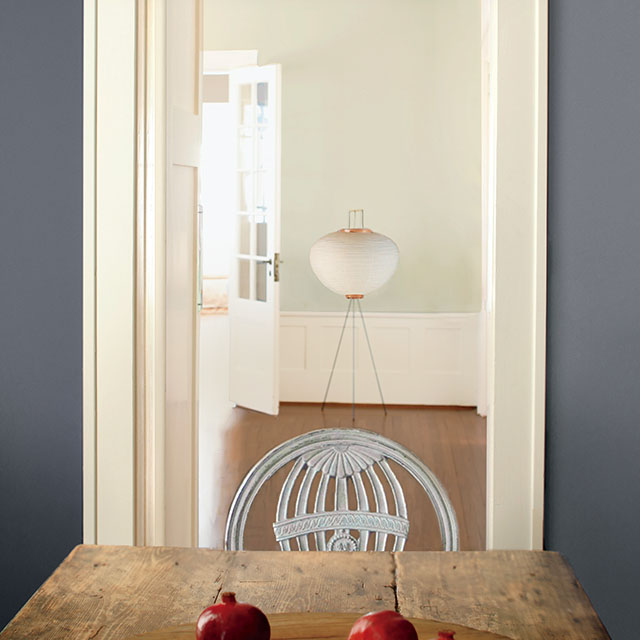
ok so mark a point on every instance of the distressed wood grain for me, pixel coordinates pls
(104, 593)
(111, 592)
(298, 581)
(108, 592)
(527, 595)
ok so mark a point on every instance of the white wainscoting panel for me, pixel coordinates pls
(422, 359)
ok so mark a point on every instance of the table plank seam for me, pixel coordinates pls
(394, 581)
(111, 592)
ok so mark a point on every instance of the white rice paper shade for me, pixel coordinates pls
(354, 262)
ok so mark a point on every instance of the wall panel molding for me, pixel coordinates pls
(422, 359)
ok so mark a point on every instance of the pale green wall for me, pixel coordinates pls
(381, 111)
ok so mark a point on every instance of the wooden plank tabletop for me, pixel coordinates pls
(102, 592)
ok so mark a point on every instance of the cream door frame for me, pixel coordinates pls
(127, 497)
(517, 306)
(108, 274)
(123, 453)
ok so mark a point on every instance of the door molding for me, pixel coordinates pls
(124, 321)
(116, 504)
(108, 273)
(149, 258)
(517, 304)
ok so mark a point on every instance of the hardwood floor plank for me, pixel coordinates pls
(521, 594)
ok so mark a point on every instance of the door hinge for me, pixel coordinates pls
(276, 267)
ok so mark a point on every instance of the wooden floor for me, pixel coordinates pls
(451, 441)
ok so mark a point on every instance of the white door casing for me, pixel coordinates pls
(184, 133)
(517, 318)
(254, 292)
(108, 271)
(141, 154)
(516, 328)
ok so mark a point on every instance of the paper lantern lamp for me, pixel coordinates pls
(354, 262)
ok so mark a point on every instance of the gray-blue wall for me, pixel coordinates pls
(593, 422)
(40, 292)
(593, 391)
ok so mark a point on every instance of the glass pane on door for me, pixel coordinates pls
(261, 239)
(262, 192)
(244, 278)
(244, 235)
(265, 148)
(262, 90)
(245, 191)
(262, 273)
(245, 117)
(245, 149)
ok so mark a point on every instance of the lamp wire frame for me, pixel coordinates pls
(351, 309)
(353, 218)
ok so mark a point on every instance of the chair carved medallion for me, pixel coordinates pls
(337, 476)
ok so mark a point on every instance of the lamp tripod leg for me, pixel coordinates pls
(373, 362)
(353, 365)
(335, 359)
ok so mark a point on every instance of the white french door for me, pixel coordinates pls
(254, 300)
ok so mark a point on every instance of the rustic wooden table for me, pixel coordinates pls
(112, 592)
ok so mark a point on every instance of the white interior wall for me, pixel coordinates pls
(381, 111)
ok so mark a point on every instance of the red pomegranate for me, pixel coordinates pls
(383, 625)
(232, 620)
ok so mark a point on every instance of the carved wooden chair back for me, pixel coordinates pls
(355, 463)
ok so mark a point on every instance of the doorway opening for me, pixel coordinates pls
(239, 250)
(169, 55)
(392, 137)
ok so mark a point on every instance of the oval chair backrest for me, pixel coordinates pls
(353, 461)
